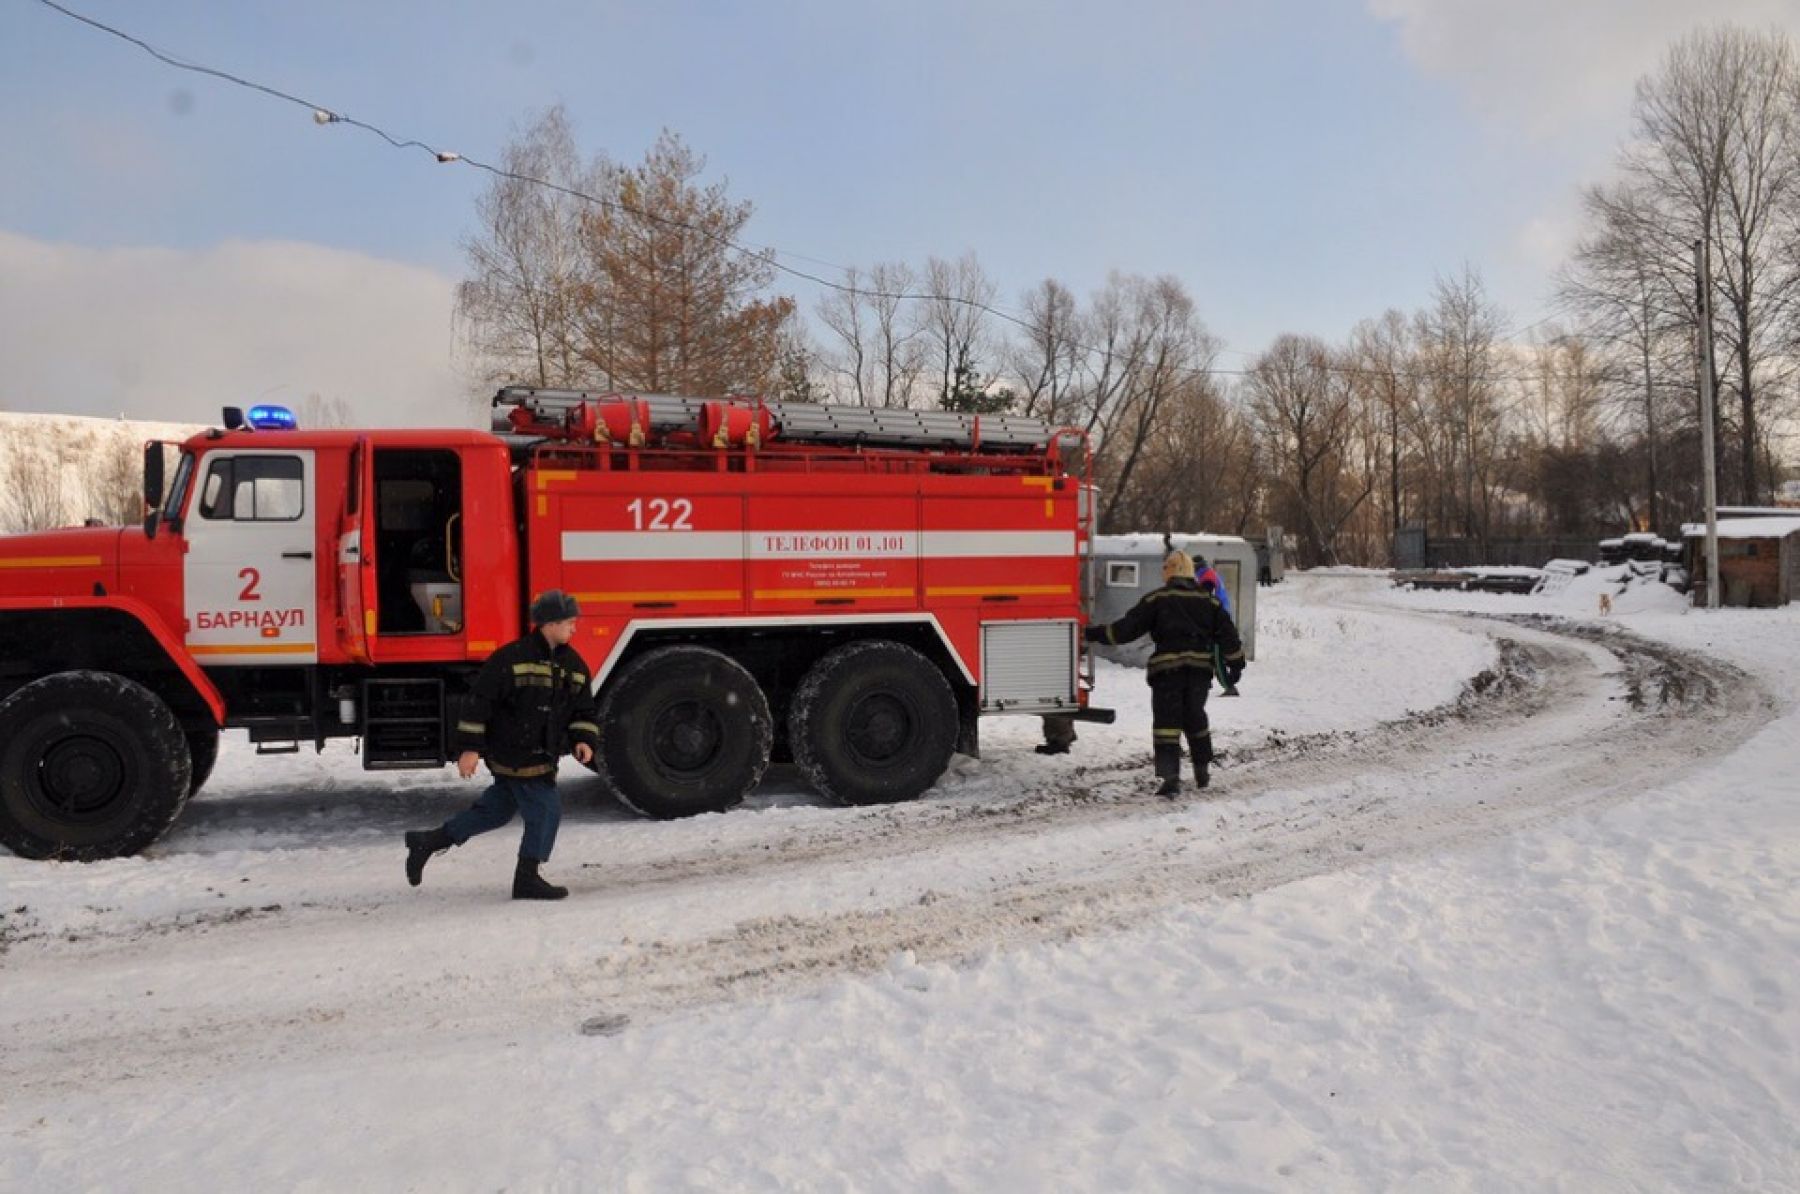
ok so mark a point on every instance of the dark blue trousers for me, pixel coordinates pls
(533, 799)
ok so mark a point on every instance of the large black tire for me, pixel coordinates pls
(92, 766)
(683, 730)
(873, 722)
(203, 752)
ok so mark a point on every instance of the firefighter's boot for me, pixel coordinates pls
(529, 885)
(1059, 735)
(1168, 769)
(420, 846)
(1200, 747)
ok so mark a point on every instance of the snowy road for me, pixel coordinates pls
(272, 932)
(756, 904)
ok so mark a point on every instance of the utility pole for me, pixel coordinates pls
(1708, 466)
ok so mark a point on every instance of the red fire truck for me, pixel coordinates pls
(848, 588)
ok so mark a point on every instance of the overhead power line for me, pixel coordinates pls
(769, 255)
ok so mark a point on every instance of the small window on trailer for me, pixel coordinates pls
(1121, 575)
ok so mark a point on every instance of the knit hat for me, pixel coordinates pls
(553, 605)
(1178, 565)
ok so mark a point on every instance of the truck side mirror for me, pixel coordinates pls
(153, 486)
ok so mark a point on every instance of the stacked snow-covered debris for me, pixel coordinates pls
(1476, 579)
(1639, 545)
(1636, 586)
(1487, 579)
(1558, 574)
(1643, 545)
(1577, 581)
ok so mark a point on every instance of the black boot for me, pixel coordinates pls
(529, 885)
(1202, 773)
(420, 846)
(1168, 769)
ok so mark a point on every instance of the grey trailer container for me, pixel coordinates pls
(1128, 567)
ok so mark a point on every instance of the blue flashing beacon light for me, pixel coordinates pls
(272, 418)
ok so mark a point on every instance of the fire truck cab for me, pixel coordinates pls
(850, 589)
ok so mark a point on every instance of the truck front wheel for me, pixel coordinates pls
(203, 752)
(873, 722)
(683, 730)
(92, 766)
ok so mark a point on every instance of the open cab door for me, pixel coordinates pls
(356, 558)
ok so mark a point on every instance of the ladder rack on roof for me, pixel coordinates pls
(549, 412)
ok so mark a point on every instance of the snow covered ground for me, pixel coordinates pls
(1479, 901)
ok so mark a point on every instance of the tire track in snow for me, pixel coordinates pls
(1573, 718)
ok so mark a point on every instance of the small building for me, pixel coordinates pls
(1759, 560)
(1128, 567)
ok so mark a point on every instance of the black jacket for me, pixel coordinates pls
(1185, 622)
(530, 705)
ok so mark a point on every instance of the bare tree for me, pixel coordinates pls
(1046, 358)
(521, 302)
(1153, 342)
(1459, 336)
(1304, 405)
(1116, 345)
(799, 371)
(1199, 471)
(955, 320)
(115, 492)
(1630, 288)
(1382, 355)
(878, 353)
(1717, 146)
(34, 489)
(316, 410)
(845, 317)
(1561, 401)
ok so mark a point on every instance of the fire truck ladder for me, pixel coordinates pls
(799, 422)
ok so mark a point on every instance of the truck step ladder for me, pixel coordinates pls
(403, 726)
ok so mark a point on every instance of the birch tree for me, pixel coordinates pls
(876, 354)
(520, 304)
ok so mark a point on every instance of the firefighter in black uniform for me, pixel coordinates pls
(530, 705)
(1185, 622)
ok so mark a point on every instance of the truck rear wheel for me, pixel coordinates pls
(92, 766)
(873, 722)
(683, 730)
